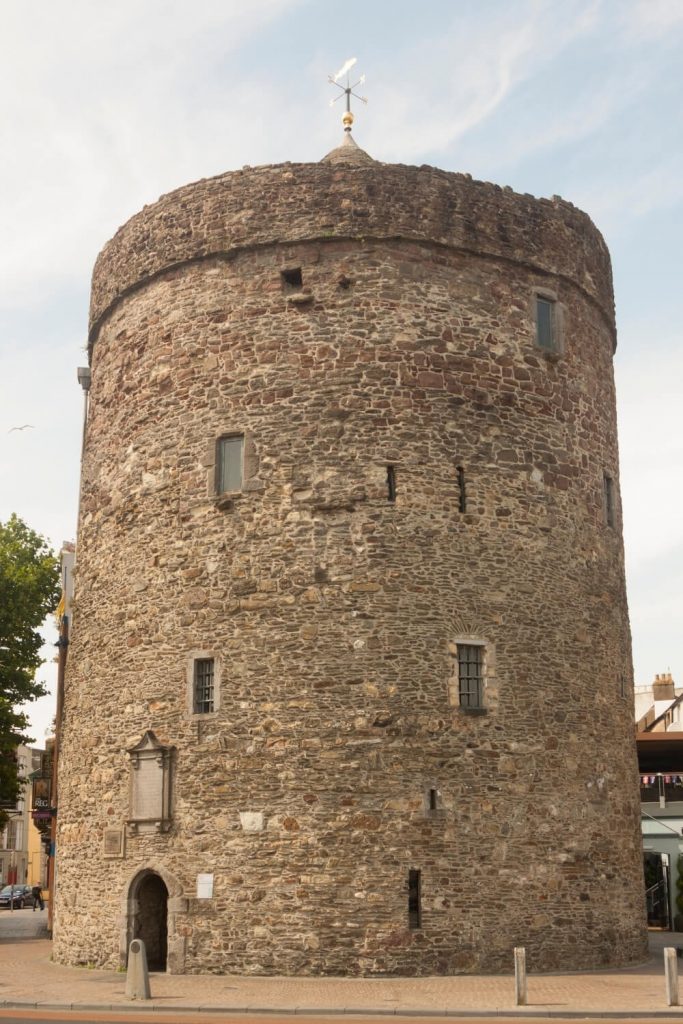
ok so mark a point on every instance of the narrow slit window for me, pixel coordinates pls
(391, 483)
(229, 464)
(546, 327)
(462, 494)
(433, 799)
(471, 675)
(203, 686)
(292, 278)
(608, 488)
(414, 899)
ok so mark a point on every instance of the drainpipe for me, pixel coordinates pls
(84, 379)
(62, 647)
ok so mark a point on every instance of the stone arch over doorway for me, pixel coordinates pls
(151, 907)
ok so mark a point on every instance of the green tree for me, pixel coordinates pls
(29, 590)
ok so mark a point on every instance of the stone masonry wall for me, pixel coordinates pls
(333, 613)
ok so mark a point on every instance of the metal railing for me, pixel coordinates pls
(658, 786)
(657, 897)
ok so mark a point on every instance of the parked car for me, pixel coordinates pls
(18, 895)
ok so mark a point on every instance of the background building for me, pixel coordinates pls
(659, 737)
(19, 859)
(657, 706)
(350, 686)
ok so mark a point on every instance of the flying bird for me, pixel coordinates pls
(25, 427)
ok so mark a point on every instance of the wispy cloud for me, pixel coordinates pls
(650, 18)
(472, 69)
(614, 203)
(99, 116)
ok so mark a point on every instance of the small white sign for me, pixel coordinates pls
(204, 887)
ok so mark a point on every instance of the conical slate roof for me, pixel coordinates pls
(348, 153)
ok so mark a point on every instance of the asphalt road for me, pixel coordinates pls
(22, 924)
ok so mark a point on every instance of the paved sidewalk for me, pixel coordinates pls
(28, 978)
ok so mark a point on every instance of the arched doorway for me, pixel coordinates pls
(150, 918)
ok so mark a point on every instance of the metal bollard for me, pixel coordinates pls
(520, 976)
(671, 974)
(137, 975)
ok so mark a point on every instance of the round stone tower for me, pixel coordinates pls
(349, 682)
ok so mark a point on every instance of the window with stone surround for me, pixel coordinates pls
(203, 686)
(470, 663)
(471, 675)
(433, 804)
(232, 464)
(229, 463)
(291, 278)
(548, 321)
(203, 683)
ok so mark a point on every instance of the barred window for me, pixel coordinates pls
(471, 675)
(203, 686)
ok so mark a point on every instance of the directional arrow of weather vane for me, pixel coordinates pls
(347, 90)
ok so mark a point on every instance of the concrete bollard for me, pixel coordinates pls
(520, 976)
(671, 974)
(137, 975)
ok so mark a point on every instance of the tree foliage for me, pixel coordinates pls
(29, 590)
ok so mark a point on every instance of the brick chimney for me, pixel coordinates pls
(663, 687)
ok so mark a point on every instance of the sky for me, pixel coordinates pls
(105, 107)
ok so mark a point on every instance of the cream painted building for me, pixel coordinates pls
(20, 847)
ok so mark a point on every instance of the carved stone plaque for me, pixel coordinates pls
(113, 842)
(150, 788)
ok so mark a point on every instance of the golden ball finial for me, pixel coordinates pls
(347, 120)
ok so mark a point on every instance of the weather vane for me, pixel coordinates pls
(347, 90)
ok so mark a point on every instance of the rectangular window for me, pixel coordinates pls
(546, 328)
(203, 701)
(471, 675)
(608, 488)
(391, 483)
(229, 462)
(11, 835)
(291, 278)
(462, 495)
(414, 899)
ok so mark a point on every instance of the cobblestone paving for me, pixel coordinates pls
(27, 975)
